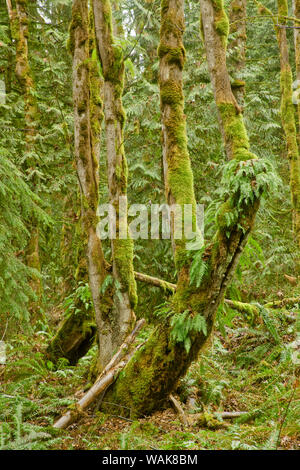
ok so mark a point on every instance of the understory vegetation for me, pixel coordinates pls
(250, 369)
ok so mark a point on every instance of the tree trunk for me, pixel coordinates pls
(287, 110)
(237, 48)
(87, 118)
(115, 327)
(18, 17)
(296, 12)
(288, 117)
(153, 372)
(75, 336)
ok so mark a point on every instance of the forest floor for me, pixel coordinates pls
(252, 369)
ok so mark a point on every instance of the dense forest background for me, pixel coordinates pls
(250, 363)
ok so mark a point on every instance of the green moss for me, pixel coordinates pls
(173, 55)
(169, 26)
(123, 256)
(207, 420)
(75, 23)
(107, 14)
(217, 4)
(287, 109)
(115, 73)
(81, 107)
(225, 220)
(139, 376)
(180, 179)
(222, 26)
(289, 125)
(74, 337)
(282, 10)
(221, 20)
(251, 312)
(32, 251)
(171, 92)
(238, 84)
(15, 26)
(235, 132)
(96, 104)
(164, 6)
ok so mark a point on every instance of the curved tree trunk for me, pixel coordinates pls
(153, 372)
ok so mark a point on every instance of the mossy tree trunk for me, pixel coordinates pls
(296, 12)
(7, 70)
(288, 117)
(237, 47)
(87, 118)
(115, 326)
(18, 16)
(77, 332)
(153, 372)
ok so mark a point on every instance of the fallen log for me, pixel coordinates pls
(242, 307)
(231, 414)
(106, 378)
(248, 309)
(283, 303)
(155, 281)
(86, 400)
(202, 417)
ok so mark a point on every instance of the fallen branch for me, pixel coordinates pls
(202, 418)
(178, 408)
(87, 399)
(155, 281)
(231, 414)
(283, 303)
(106, 378)
(212, 421)
(242, 307)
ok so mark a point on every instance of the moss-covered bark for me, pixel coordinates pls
(77, 332)
(8, 69)
(74, 337)
(120, 319)
(19, 21)
(237, 48)
(296, 11)
(288, 115)
(231, 119)
(287, 108)
(87, 119)
(152, 374)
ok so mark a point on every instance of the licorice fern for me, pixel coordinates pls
(184, 324)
